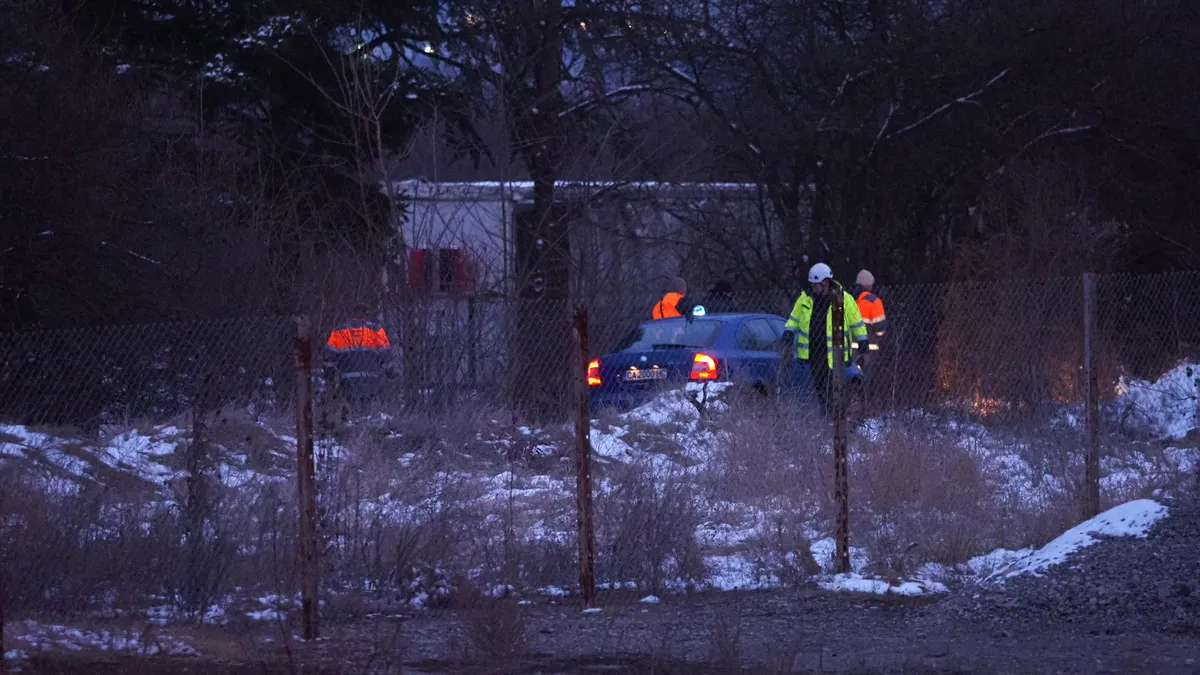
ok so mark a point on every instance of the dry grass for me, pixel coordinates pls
(916, 500)
(436, 508)
(495, 629)
(646, 525)
(776, 459)
(725, 638)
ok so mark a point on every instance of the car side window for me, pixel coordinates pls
(778, 325)
(756, 335)
(745, 338)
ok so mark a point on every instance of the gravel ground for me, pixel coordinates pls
(1119, 584)
(800, 632)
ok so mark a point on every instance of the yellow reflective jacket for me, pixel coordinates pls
(855, 328)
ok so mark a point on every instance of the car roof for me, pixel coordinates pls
(724, 316)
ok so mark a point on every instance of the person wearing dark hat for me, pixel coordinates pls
(719, 299)
(673, 303)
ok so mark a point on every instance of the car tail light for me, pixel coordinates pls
(704, 367)
(593, 373)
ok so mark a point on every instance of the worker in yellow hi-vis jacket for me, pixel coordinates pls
(811, 323)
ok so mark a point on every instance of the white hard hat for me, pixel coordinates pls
(819, 272)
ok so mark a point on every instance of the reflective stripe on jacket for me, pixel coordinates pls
(855, 329)
(358, 348)
(665, 308)
(871, 308)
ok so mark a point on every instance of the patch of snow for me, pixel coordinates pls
(141, 453)
(164, 614)
(44, 637)
(735, 572)
(650, 600)
(984, 565)
(592, 610)
(824, 550)
(1131, 519)
(748, 523)
(670, 407)
(264, 615)
(608, 444)
(856, 583)
(1165, 408)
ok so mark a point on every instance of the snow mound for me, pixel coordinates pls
(1131, 519)
(1165, 408)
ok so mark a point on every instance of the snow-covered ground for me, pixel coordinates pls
(32, 636)
(662, 466)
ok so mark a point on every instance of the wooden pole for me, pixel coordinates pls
(1091, 477)
(302, 354)
(837, 378)
(583, 466)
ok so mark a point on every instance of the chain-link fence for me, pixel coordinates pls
(966, 434)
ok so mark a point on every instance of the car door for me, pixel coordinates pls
(757, 358)
(789, 374)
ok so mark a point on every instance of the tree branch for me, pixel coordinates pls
(962, 100)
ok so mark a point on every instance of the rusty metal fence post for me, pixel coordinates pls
(305, 479)
(1091, 474)
(583, 464)
(841, 483)
(3, 604)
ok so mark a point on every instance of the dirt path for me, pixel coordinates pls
(759, 632)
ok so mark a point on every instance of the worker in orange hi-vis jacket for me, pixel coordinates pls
(871, 308)
(357, 355)
(674, 302)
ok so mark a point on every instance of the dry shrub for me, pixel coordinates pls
(83, 551)
(263, 521)
(394, 527)
(725, 638)
(545, 562)
(783, 552)
(495, 628)
(646, 528)
(919, 498)
(777, 457)
(1146, 471)
(411, 530)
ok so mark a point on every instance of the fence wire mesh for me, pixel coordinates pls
(457, 468)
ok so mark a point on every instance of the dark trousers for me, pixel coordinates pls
(819, 372)
(360, 389)
(359, 395)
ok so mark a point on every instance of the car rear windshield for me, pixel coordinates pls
(671, 334)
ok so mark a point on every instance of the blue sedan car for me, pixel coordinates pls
(743, 349)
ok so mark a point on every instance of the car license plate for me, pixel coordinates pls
(639, 375)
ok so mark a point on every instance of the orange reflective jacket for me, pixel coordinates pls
(358, 335)
(665, 308)
(871, 308)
